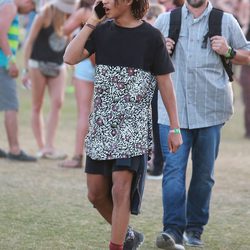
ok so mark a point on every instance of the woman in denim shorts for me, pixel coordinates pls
(83, 81)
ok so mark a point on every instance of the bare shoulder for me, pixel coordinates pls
(45, 16)
(81, 15)
(7, 10)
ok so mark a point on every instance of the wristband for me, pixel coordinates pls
(91, 26)
(25, 71)
(11, 58)
(175, 131)
(230, 53)
(227, 55)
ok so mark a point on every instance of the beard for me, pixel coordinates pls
(196, 3)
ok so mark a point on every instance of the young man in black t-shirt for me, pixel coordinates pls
(130, 59)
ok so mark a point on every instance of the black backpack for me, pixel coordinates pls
(214, 29)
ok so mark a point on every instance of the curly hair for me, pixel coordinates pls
(138, 7)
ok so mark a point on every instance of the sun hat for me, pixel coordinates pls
(66, 6)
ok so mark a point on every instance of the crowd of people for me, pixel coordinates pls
(152, 80)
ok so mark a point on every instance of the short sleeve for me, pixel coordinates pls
(162, 63)
(162, 23)
(237, 38)
(90, 44)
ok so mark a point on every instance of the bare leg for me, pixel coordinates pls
(37, 121)
(122, 181)
(83, 93)
(11, 126)
(99, 194)
(56, 91)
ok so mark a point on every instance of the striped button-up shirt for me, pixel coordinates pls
(203, 91)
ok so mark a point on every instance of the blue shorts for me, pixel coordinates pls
(85, 70)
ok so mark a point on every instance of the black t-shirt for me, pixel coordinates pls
(127, 61)
(142, 47)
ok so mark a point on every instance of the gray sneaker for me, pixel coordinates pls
(167, 241)
(193, 239)
(133, 240)
(3, 154)
(22, 156)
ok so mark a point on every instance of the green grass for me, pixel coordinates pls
(45, 207)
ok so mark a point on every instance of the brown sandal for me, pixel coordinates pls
(75, 162)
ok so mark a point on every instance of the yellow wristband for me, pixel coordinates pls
(228, 54)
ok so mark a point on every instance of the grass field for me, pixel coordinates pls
(45, 207)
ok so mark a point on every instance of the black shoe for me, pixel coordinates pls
(22, 156)
(168, 241)
(2, 154)
(133, 240)
(193, 239)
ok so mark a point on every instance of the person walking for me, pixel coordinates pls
(157, 162)
(9, 40)
(130, 57)
(43, 63)
(83, 81)
(205, 103)
(243, 16)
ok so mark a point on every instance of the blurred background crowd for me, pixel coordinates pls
(51, 24)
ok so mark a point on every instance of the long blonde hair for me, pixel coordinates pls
(55, 17)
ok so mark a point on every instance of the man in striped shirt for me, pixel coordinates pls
(9, 40)
(205, 103)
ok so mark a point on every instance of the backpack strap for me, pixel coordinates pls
(175, 26)
(214, 25)
(214, 29)
(214, 22)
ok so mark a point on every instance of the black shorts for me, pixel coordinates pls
(137, 164)
(106, 167)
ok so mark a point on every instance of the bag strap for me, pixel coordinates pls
(175, 26)
(214, 22)
(214, 29)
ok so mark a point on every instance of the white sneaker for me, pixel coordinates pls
(39, 154)
(154, 177)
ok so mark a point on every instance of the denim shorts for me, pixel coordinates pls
(8, 92)
(85, 70)
(34, 64)
(137, 164)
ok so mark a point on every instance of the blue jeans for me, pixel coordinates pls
(189, 211)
